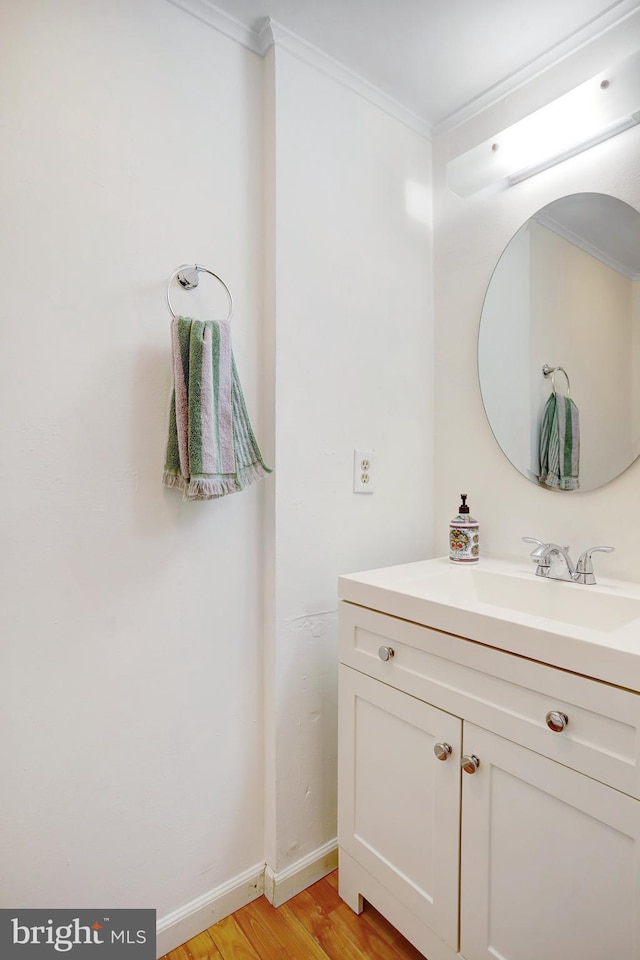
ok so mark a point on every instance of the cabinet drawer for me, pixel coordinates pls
(504, 693)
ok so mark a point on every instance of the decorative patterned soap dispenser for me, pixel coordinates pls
(464, 536)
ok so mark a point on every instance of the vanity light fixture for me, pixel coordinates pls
(592, 112)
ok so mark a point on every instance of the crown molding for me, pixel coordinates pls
(273, 34)
(600, 24)
(545, 220)
(222, 22)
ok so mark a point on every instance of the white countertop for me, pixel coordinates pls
(591, 630)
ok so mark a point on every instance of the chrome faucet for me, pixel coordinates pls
(553, 561)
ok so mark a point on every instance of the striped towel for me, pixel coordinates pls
(211, 450)
(560, 444)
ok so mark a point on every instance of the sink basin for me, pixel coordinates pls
(569, 603)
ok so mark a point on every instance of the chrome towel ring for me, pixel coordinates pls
(546, 369)
(188, 276)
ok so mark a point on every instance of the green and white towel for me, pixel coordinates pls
(211, 450)
(560, 444)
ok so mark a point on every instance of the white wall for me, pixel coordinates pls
(470, 236)
(146, 640)
(353, 368)
(130, 665)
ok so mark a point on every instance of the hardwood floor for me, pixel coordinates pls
(314, 925)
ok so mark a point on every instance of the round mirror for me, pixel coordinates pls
(559, 343)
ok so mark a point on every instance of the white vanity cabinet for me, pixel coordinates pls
(534, 855)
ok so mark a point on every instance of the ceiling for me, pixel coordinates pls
(436, 57)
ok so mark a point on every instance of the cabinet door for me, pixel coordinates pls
(399, 806)
(550, 863)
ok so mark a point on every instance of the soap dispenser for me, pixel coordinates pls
(464, 536)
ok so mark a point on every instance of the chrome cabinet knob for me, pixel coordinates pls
(442, 750)
(556, 721)
(470, 763)
(385, 653)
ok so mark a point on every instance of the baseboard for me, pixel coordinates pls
(281, 886)
(188, 921)
(176, 928)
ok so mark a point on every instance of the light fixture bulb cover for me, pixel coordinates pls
(590, 113)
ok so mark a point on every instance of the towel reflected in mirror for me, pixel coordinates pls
(560, 444)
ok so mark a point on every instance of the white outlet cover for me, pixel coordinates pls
(364, 471)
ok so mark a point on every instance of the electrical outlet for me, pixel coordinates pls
(364, 464)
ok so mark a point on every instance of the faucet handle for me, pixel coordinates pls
(537, 554)
(584, 566)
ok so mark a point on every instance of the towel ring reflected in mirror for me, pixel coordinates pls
(188, 276)
(551, 371)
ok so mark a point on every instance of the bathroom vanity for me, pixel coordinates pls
(489, 761)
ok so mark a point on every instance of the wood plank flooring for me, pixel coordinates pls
(314, 925)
